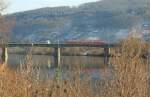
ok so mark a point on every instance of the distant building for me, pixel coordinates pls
(146, 31)
(48, 41)
(146, 26)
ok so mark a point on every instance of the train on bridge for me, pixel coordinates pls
(89, 42)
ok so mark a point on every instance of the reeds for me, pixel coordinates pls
(131, 73)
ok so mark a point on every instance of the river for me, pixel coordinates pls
(94, 66)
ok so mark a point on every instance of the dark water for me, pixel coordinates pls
(93, 66)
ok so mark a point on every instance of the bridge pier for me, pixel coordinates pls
(57, 57)
(106, 55)
(4, 55)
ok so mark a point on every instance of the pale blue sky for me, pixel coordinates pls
(23, 5)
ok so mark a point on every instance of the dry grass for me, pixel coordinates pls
(16, 84)
(131, 78)
(131, 72)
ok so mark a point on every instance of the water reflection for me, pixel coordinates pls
(15, 59)
(93, 66)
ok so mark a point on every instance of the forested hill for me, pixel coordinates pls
(107, 20)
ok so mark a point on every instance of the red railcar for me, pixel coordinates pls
(92, 42)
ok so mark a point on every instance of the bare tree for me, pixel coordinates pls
(5, 28)
(5, 24)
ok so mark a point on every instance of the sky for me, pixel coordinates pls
(23, 5)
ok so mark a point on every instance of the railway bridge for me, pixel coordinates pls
(57, 48)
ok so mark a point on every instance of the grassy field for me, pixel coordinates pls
(131, 77)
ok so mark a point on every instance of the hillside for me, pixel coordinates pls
(107, 20)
